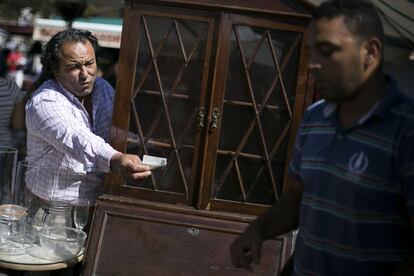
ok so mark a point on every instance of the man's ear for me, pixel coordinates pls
(372, 53)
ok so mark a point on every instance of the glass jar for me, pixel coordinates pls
(57, 215)
(12, 229)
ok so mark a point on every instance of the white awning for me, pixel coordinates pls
(397, 17)
(108, 35)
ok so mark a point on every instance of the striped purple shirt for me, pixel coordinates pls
(358, 189)
(72, 151)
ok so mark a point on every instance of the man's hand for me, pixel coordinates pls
(247, 248)
(279, 219)
(129, 165)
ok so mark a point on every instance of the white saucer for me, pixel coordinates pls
(38, 251)
(15, 246)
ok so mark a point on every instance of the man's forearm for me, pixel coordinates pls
(277, 220)
(281, 218)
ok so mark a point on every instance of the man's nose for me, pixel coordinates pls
(314, 61)
(83, 71)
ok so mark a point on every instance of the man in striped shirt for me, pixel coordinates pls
(353, 198)
(68, 121)
(11, 110)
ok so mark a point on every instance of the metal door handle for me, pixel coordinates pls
(215, 116)
(201, 117)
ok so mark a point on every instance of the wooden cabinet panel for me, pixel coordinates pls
(143, 238)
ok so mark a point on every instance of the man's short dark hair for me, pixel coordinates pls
(51, 51)
(361, 17)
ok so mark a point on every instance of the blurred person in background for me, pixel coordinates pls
(11, 109)
(3, 52)
(16, 61)
(33, 66)
(109, 65)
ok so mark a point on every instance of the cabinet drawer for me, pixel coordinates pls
(167, 240)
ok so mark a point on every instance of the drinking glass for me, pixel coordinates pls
(19, 188)
(80, 215)
(8, 161)
(23, 197)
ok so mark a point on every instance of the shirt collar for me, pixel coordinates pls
(68, 94)
(71, 96)
(329, 109)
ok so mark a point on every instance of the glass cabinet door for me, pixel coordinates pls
(167, 104)
(217, 95)
(255, 113)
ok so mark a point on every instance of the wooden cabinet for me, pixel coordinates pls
(218, 88)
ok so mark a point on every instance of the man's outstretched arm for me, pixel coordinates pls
(281, 218)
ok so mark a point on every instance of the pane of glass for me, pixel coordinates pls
(290, 75)
(158, 28)
(172, 180)
(282, 42)
(145, 77)
(236, 84)
(281, 152)
(183, 115)
(192, 33)
(189, 79)
(258, 185)
(274, 122)
(262, 192)
(278, 166)
(258, 56)
(170, 59)
(231, 187)
(233, 130)
(152, 117)
(254, 144)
